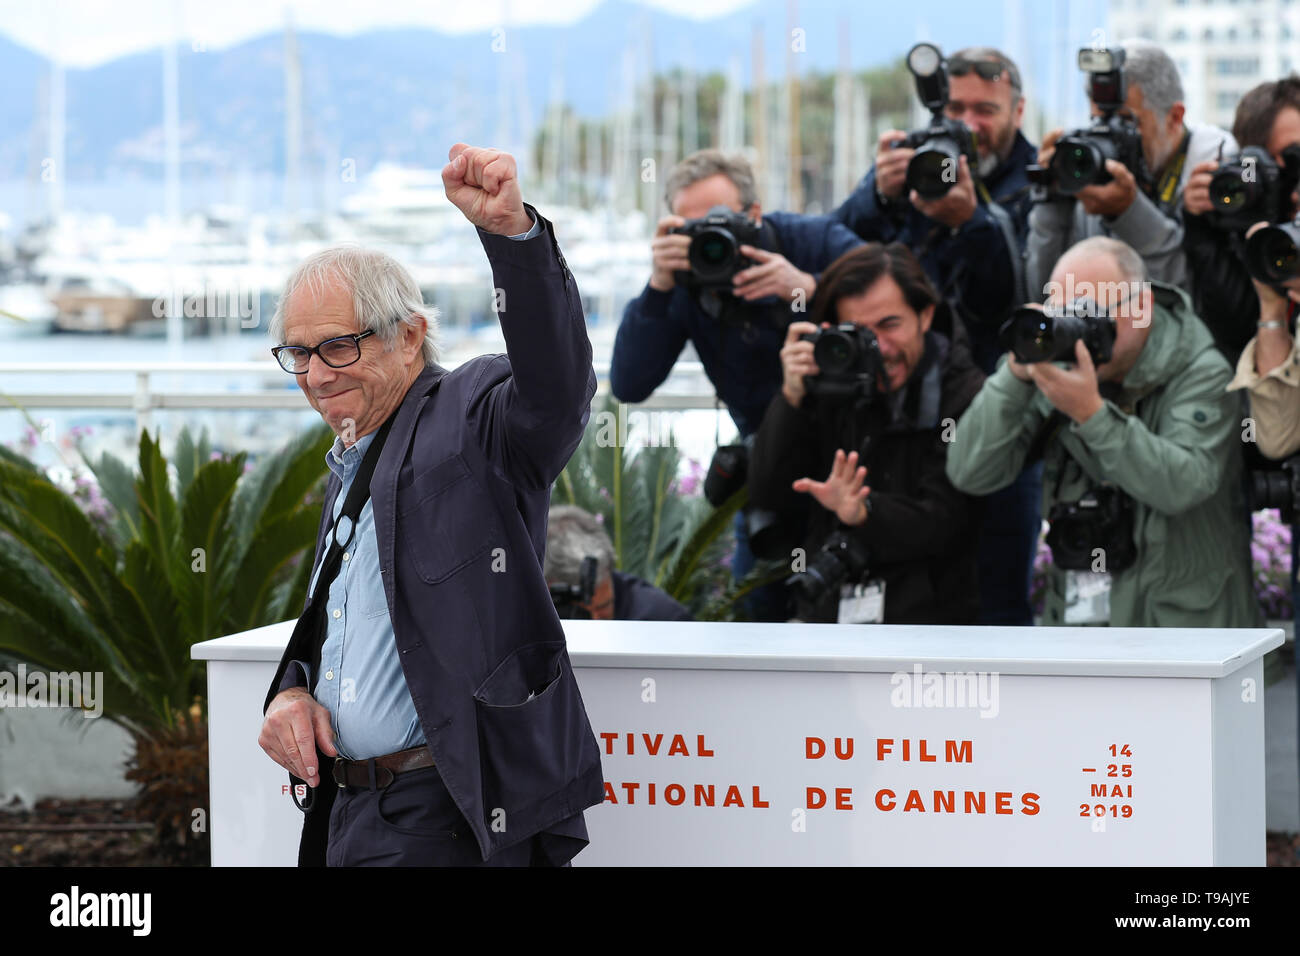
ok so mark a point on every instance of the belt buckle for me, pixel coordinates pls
(340, 773)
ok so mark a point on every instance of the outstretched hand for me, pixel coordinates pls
(843, 491)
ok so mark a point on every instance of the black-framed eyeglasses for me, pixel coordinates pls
(989, 70)
(337, 352)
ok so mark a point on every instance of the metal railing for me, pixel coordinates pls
(145, 399)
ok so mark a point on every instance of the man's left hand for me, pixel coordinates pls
(955, 207)
(1071, 390)
(774, 275)
(843, 491)
(482, 183)
(1114, 197)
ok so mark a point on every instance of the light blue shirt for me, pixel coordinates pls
(361, 682)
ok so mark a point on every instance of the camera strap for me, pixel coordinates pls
(1166, 191)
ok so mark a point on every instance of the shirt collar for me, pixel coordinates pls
(341, 460)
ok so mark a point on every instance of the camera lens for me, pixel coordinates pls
(933, 170)
(1032, 335)
(713, 253)
(834, 352)
(1078, 163)
(1228, 192)
(1271, 253)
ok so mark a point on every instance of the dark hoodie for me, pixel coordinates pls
(920, 532)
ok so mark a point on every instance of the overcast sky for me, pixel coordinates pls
(88, 32)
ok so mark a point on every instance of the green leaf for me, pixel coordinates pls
(159, 522)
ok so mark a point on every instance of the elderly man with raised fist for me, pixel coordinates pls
(425, 707)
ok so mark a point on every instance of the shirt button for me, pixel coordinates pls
(338, 613)
(346, 555)
(329, 675)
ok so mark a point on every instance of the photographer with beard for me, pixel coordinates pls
(873, 400)
(964, 250)
(736, 323)
(1138, 207)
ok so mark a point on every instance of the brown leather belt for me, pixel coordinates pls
(358, 773)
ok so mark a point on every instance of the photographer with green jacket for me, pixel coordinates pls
(1141, 477)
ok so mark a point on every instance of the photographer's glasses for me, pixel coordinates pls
(338, 352)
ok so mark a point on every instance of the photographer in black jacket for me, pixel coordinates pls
(875, 399)
(736, 323)
(1267, 120)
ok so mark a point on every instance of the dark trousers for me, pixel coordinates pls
(412, 822)
(1008, 541)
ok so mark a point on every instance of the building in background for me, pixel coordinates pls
(1222, 47)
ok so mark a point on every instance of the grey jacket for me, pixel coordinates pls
(1056, 225)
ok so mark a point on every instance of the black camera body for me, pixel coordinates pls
(714, 253)
(1101, 519)
(1048, 335)
(1278, 489)
(841, 558)
(1080, 156)
(932, 171)
(1253, 188)
(570, 598)
(849, 360)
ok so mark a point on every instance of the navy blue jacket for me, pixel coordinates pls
(636, 599)
(461, 493)
(1009, 186)
(744, 365)
(970, 264)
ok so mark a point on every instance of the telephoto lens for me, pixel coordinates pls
(1271, 253)
(1048, 335)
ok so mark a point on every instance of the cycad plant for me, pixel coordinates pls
(210, 552)
(677, 542)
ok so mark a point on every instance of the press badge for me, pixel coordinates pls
(862, 603)
(1087, 597)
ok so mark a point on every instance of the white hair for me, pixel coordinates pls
(384, 295)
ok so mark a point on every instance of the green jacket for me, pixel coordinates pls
(1177, 454)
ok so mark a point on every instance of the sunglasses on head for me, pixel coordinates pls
(990, 70)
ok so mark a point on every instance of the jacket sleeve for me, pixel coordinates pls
(1182, 462)
(994, 436)
(1050, 225)
(925, 523)
(863, 214)
(1157, 238)
(986, 282)
(839, 240)
(1274, 401)
(649, 340)
(530, 420)
(1221, 289)
(785, 448)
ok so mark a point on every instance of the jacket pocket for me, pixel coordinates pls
(447, 520)
(532, 728)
